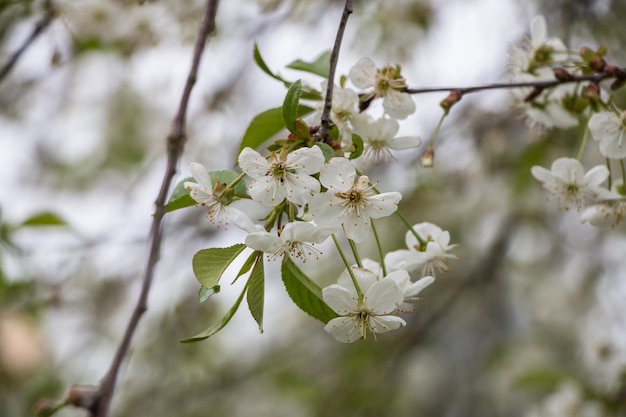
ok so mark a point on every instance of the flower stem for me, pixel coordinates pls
(583, 143)
(345, 261)
(435, 133)
(380, 249)
(236, 181)
(355, 252)
(610, 180)
(421, 241)
(621, 165)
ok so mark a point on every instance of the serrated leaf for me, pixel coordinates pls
(290, 106)
(205, 293)
(306, 294)
(210, 264)
(248, 263)
(320, 66)
(256, 292)
(267, 124)
(327, 151)
(357, 145)
(46, 218)
(219, 325)
(180, 196)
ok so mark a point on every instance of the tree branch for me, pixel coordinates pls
(175, 146)
(39, 28)
(334, 57)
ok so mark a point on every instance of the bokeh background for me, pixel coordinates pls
(530, 322)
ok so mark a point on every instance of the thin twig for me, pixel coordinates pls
(595, 78)
(334, 57)
(175, 145)
(39, 28)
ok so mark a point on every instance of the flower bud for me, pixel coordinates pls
(562, 74)
(428, 158)
(533, 94)
(592, 91)
(82, 396)
(453, 98)
(44, 408)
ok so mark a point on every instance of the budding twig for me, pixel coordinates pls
(334, 57)
(175, 145)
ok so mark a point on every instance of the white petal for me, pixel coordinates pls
(398, 105)
(263, 241)
(201, 176)
(325, 210)
(596, 175)
(417, 287)
(402, 259)
(301, 187)
(338, 174)
(384, 324)
(569, 169)
(383, 204)
(306, 160)
(253, 164)
(538, 31)
(341, 300)
(344, 329)
(240, 219)
(383, 297)
(542, 174)
(405, 142)
(363, 74)
(267, 191)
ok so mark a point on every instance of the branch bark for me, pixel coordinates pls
(175, 146)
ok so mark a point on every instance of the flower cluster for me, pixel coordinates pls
(566, 102)
(310, 191)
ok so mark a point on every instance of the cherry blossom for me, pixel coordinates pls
(371, 313)
(568, 182)
(387, 83)
(379, 138)
(205, 194)
(350, 201)
(426, 258)
(296, 239)
(609, 129)
(283, 176)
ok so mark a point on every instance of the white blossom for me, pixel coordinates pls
(608, 210)
(345, 108)
(350, 201)
(371, 313)
(379, 138)
(283, 176)
(428, 257)
(609, 129)
(205, 194)
(388, 83)
(296, 239)
(568, 182)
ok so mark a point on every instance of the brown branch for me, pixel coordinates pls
(334, 57)
(175, 146)
(594, 78)
(39, 28)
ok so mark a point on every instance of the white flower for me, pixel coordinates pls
(349, 201)
(568, 182)
(203, 192)
(380, 299)
(379, 138)
(609, 129)
(539, 51)
(387, 83)
(609, 210)
(282, 176)
(425, 258)
(296, 239)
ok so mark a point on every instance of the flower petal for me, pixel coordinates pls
(341, 300)
(344, 329)
(338, 174)
(384, 324)
(363, 74)
(383, 297)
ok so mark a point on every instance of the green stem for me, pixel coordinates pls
(621, 165)
(583, 143)
(421, 241)
(236, 181)
(355, 252)
(380, 249)
(610, 181)
(345, 261)
(435, 133)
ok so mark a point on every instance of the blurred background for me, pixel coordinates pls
(530, 322)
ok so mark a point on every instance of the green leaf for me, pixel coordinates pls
(45, 218)
(256, 292)
(205, 293)
(267, 124)
(320, 66)
(263, 66)
(327, 151)
(219, 325)
(180, 196)
(542, 379)
(357, 145)
(290, 106)
(305, 293)
(210, 264)
(248, 263)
